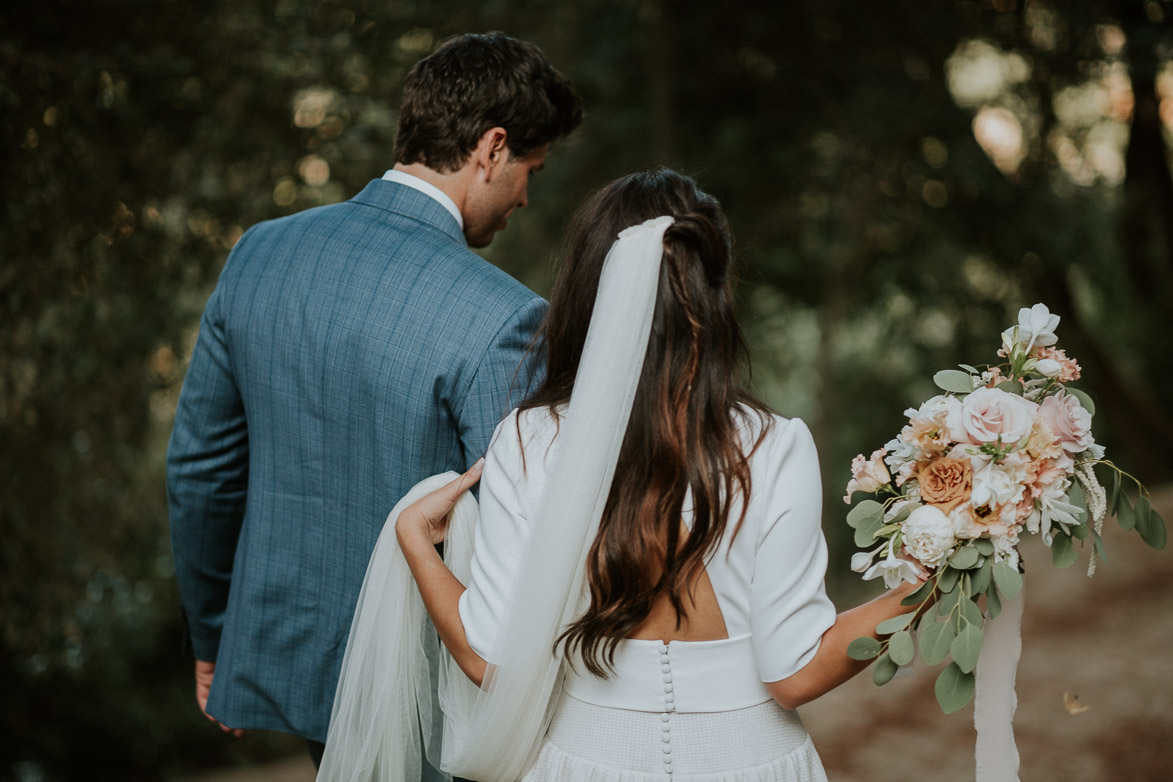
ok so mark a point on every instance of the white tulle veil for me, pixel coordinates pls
(385, 712)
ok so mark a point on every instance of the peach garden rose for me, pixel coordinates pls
(945, 482)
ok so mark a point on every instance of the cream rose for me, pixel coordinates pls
(988, 414)
(1069, 421)
(945, 482)
(928, 535)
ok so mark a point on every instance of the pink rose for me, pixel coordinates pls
(1067, 420)
(867, 475)
(988, 414)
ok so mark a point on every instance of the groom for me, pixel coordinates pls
(346, 353)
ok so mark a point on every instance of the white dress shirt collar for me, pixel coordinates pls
(428, 189)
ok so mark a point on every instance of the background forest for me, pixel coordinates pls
(901, 178)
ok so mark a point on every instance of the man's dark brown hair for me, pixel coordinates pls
(473, 83)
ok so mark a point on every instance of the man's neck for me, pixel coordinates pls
(453, 184)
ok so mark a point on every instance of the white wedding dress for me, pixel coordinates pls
(682, 710)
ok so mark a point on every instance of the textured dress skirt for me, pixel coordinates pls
(676, 712)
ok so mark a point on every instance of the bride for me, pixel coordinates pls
(640, 595)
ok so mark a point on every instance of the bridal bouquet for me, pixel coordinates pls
(1006, 450)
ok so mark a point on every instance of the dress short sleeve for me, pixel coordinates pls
(501, 532)
(789, 607)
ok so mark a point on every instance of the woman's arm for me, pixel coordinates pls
(420, 527)
(831, 666)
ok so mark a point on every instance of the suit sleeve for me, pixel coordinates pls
(501, 381)
(207, 476)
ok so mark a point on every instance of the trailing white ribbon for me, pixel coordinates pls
(994, 698)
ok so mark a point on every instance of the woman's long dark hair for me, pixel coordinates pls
(683, 432)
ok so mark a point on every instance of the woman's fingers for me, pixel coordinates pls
(466, 481)
(433, 510)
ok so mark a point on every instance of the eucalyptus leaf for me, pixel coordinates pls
(920, 595)
(985, 546)
(1080, 531)
(1125, 515)
(948, 602)
(1076, 496)
(864, 648)
(1008, 579)
(1010, 387)
(982, 576)
(965, 558)
(935, 640)
(1152, 530)
(954, 380)
(1062, 553)
(970, 613)
(969, 369)
(966, 647)
(1114, 499)
(866, 533)
(864, 511)
(889, 626)
(901, 649)
(948, 579)
(1084, 400)
(884, 669)
(954, 688)
(993, 604)
(903, 513)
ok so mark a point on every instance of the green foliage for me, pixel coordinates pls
(1062, 552)
(953, 688)
(900, 648)
(965, 558)
(884, 669)
(935, 641)
(863, 513)
(953, 381)
(863, 648)
(966, 647)
(1008, 579)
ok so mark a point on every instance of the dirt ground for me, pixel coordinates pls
(1108, 640)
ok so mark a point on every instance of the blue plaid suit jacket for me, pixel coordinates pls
(347, 352)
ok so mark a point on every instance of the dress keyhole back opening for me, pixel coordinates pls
(702, 620)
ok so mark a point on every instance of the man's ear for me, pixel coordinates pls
(491, 153)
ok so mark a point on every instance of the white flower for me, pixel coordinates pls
(1006, 547)
(862, 560)
(928, 535)
(995, 485)
(894, 570)
(1053, 507)
(944, 411)
(1047, 367)
(901, 459)
(989, 414)
(1036, 326)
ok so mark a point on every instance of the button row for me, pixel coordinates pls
(669, 708)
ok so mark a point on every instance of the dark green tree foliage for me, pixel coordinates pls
(879, 243)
